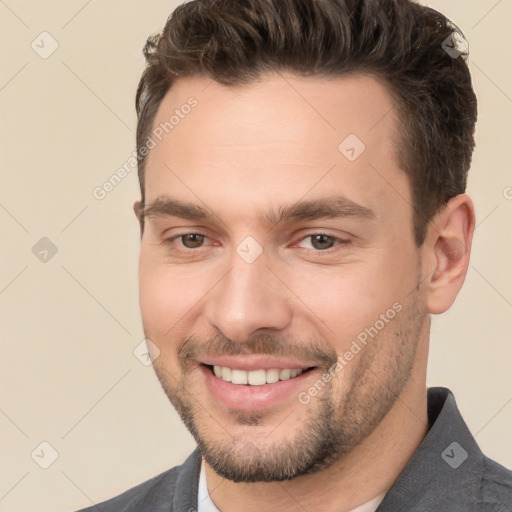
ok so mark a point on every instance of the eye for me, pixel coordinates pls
(323, 241)
(189, 240)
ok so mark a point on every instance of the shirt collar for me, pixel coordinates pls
(447, 461)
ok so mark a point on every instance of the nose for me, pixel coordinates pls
(250, 297)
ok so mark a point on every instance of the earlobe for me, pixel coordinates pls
(449, 244)
(138, 209)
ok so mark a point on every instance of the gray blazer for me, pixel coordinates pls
(447, 473)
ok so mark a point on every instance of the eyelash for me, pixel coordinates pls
(338, 241)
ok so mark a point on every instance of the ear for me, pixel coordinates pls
(448, 247)
(138, 209)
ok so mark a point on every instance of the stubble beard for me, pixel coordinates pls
(329, 432)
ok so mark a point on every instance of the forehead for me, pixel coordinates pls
(276, 140)
(279, 107)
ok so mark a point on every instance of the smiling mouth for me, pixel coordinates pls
(255, 377)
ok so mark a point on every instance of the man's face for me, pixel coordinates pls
(304, 260)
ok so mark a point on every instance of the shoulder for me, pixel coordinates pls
(158, 493)
(160, 487)
(448, 472)
(496, 486)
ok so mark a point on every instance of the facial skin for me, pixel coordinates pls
(246, 152)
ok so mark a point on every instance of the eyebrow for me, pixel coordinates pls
(329, 207)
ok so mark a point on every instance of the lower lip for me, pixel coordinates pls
(249, 398)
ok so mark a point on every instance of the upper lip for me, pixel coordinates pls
(250, 363)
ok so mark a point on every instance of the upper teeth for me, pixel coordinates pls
(254, 377)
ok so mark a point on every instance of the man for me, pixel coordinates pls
(302, 167)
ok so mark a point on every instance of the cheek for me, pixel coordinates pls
(341, 302)
(171, 296)
(163, 298)
(164, 304)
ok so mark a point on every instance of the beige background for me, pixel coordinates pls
(70, 325)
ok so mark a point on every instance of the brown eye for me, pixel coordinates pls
(192, 240)
(322, 242)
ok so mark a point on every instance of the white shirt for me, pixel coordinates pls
(205, 503)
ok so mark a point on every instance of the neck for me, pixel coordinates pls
(367, 471)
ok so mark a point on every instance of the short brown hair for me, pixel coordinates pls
(405, 44)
